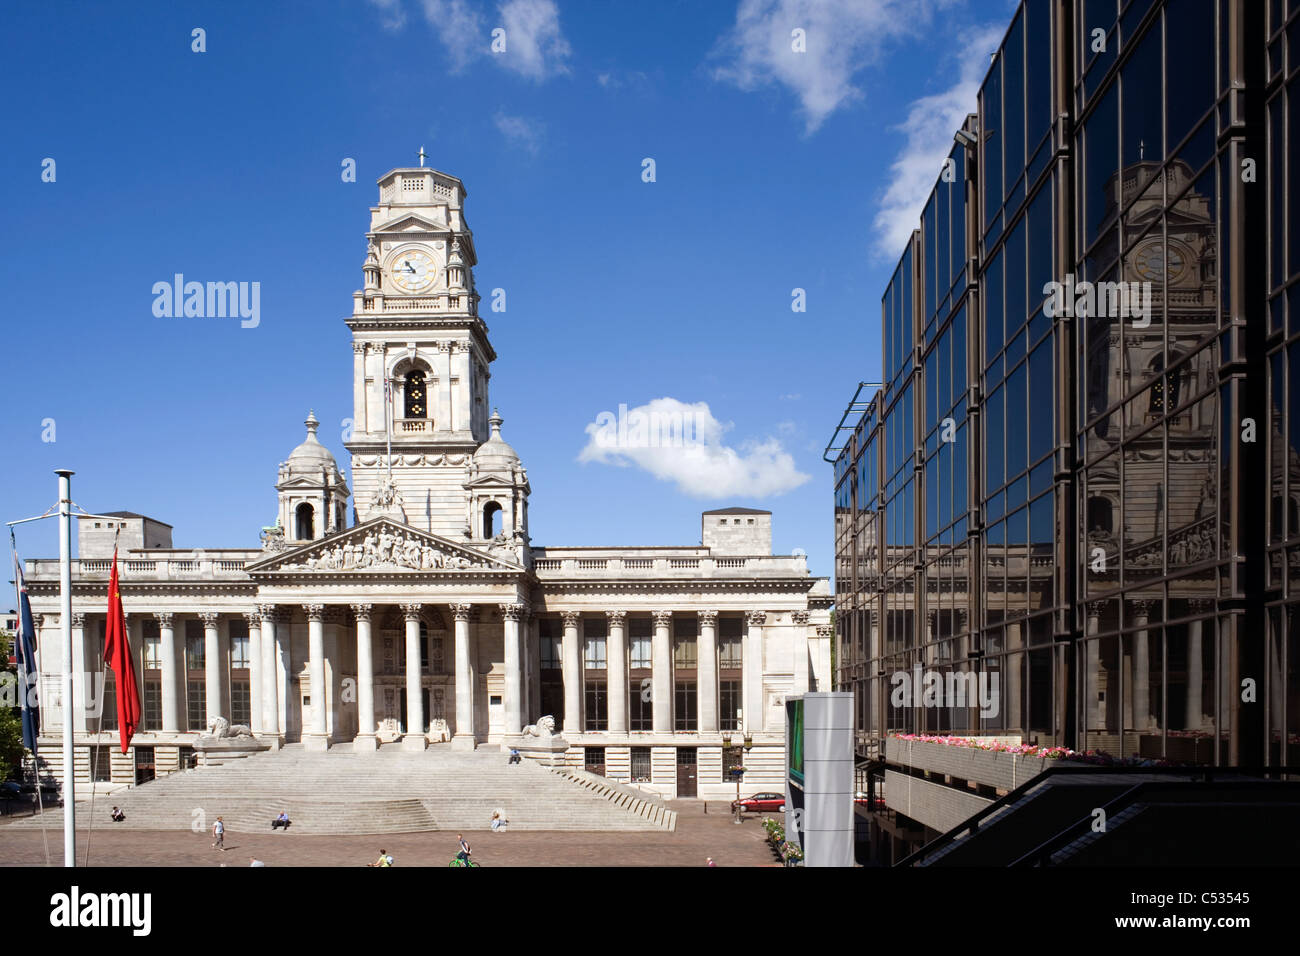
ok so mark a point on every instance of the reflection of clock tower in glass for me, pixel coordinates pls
(421, 353)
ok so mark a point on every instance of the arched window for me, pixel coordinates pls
(303, 515)
(416, 403)
(1164, 390)
(491, 519)
(1099, 515)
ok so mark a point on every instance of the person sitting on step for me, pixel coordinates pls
(281, 821)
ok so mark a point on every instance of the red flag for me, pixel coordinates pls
(117, 654)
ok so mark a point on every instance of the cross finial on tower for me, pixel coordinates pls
(422, 156)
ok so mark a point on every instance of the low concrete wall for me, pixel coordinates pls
(933, 804)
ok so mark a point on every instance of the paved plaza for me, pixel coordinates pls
(699, 835)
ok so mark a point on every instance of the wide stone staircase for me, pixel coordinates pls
(389, 791)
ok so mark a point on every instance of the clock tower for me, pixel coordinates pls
(420, 362)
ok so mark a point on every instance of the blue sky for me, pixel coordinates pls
(775, 170)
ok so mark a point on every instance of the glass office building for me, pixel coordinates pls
(1077, 483)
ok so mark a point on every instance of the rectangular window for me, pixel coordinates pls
(685, 648)
(594, 759)
(195, 653)
(640, 713)
(549, 652)
(684, 711)
(597, 705)
(729, 704)
(101, 764)
(196, 704)
(241, 707)
(641, 765)
(593, 645)
(639, 651)
(152, 709)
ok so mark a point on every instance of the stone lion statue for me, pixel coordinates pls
(220, 728)
(543, 728)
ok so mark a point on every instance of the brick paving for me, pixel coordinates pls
(699, 835)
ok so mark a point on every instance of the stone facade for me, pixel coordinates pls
(413, 596)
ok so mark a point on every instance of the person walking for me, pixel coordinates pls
(219, 835)
(254, 861)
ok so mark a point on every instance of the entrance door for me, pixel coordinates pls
(144, 764)
(686, 772)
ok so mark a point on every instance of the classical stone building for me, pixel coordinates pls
(410, 603)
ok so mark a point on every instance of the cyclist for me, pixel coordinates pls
(465, 851)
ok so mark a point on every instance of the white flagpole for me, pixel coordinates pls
(65, 614)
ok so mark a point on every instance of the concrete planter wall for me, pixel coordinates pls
(990, 768)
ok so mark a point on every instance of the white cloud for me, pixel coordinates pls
(535, 45)
(391, 14)
(841, 38)
(520, 131)
(459, 26)
(682, 443)
(929, 128)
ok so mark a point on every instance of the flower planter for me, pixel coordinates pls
(990, 768)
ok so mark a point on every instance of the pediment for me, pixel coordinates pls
(412, 223)
(490, 481)
(385, 546)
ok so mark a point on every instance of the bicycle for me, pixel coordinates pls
(457, 861)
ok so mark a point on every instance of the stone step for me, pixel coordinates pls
(391, 791)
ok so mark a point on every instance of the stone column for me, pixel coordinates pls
(366, 738)
(254, 670)
(212, 663)
(1092, 670)
(571, 664)
(270, 677)
(360, 414)
(875, 680)
(317, 736)
(617, 664)
(416, 732)
(83, 676)
(661, 663)
(1195, 715)
(462, 404)
(1141, 693)
(510, 615)
(443, 368)
(1014, 688)
(800, 619)
(170, 663)
(463, 736)
(752, 693)
(708, 664)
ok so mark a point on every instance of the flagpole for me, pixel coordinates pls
(65, 614)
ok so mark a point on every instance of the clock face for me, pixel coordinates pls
(413, 270)
(1153, 259)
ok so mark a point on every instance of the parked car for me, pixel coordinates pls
(760, 803)
(876, 803)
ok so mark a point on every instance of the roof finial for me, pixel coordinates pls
(422, 156)
(311, 422)
(495, 421)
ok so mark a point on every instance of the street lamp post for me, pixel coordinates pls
(738, 773)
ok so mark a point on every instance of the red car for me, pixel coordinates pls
(761, 803)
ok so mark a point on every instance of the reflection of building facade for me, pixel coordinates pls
(1079, 503)
(431, 613)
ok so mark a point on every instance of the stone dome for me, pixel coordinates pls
(495, 454)
(311, 456)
